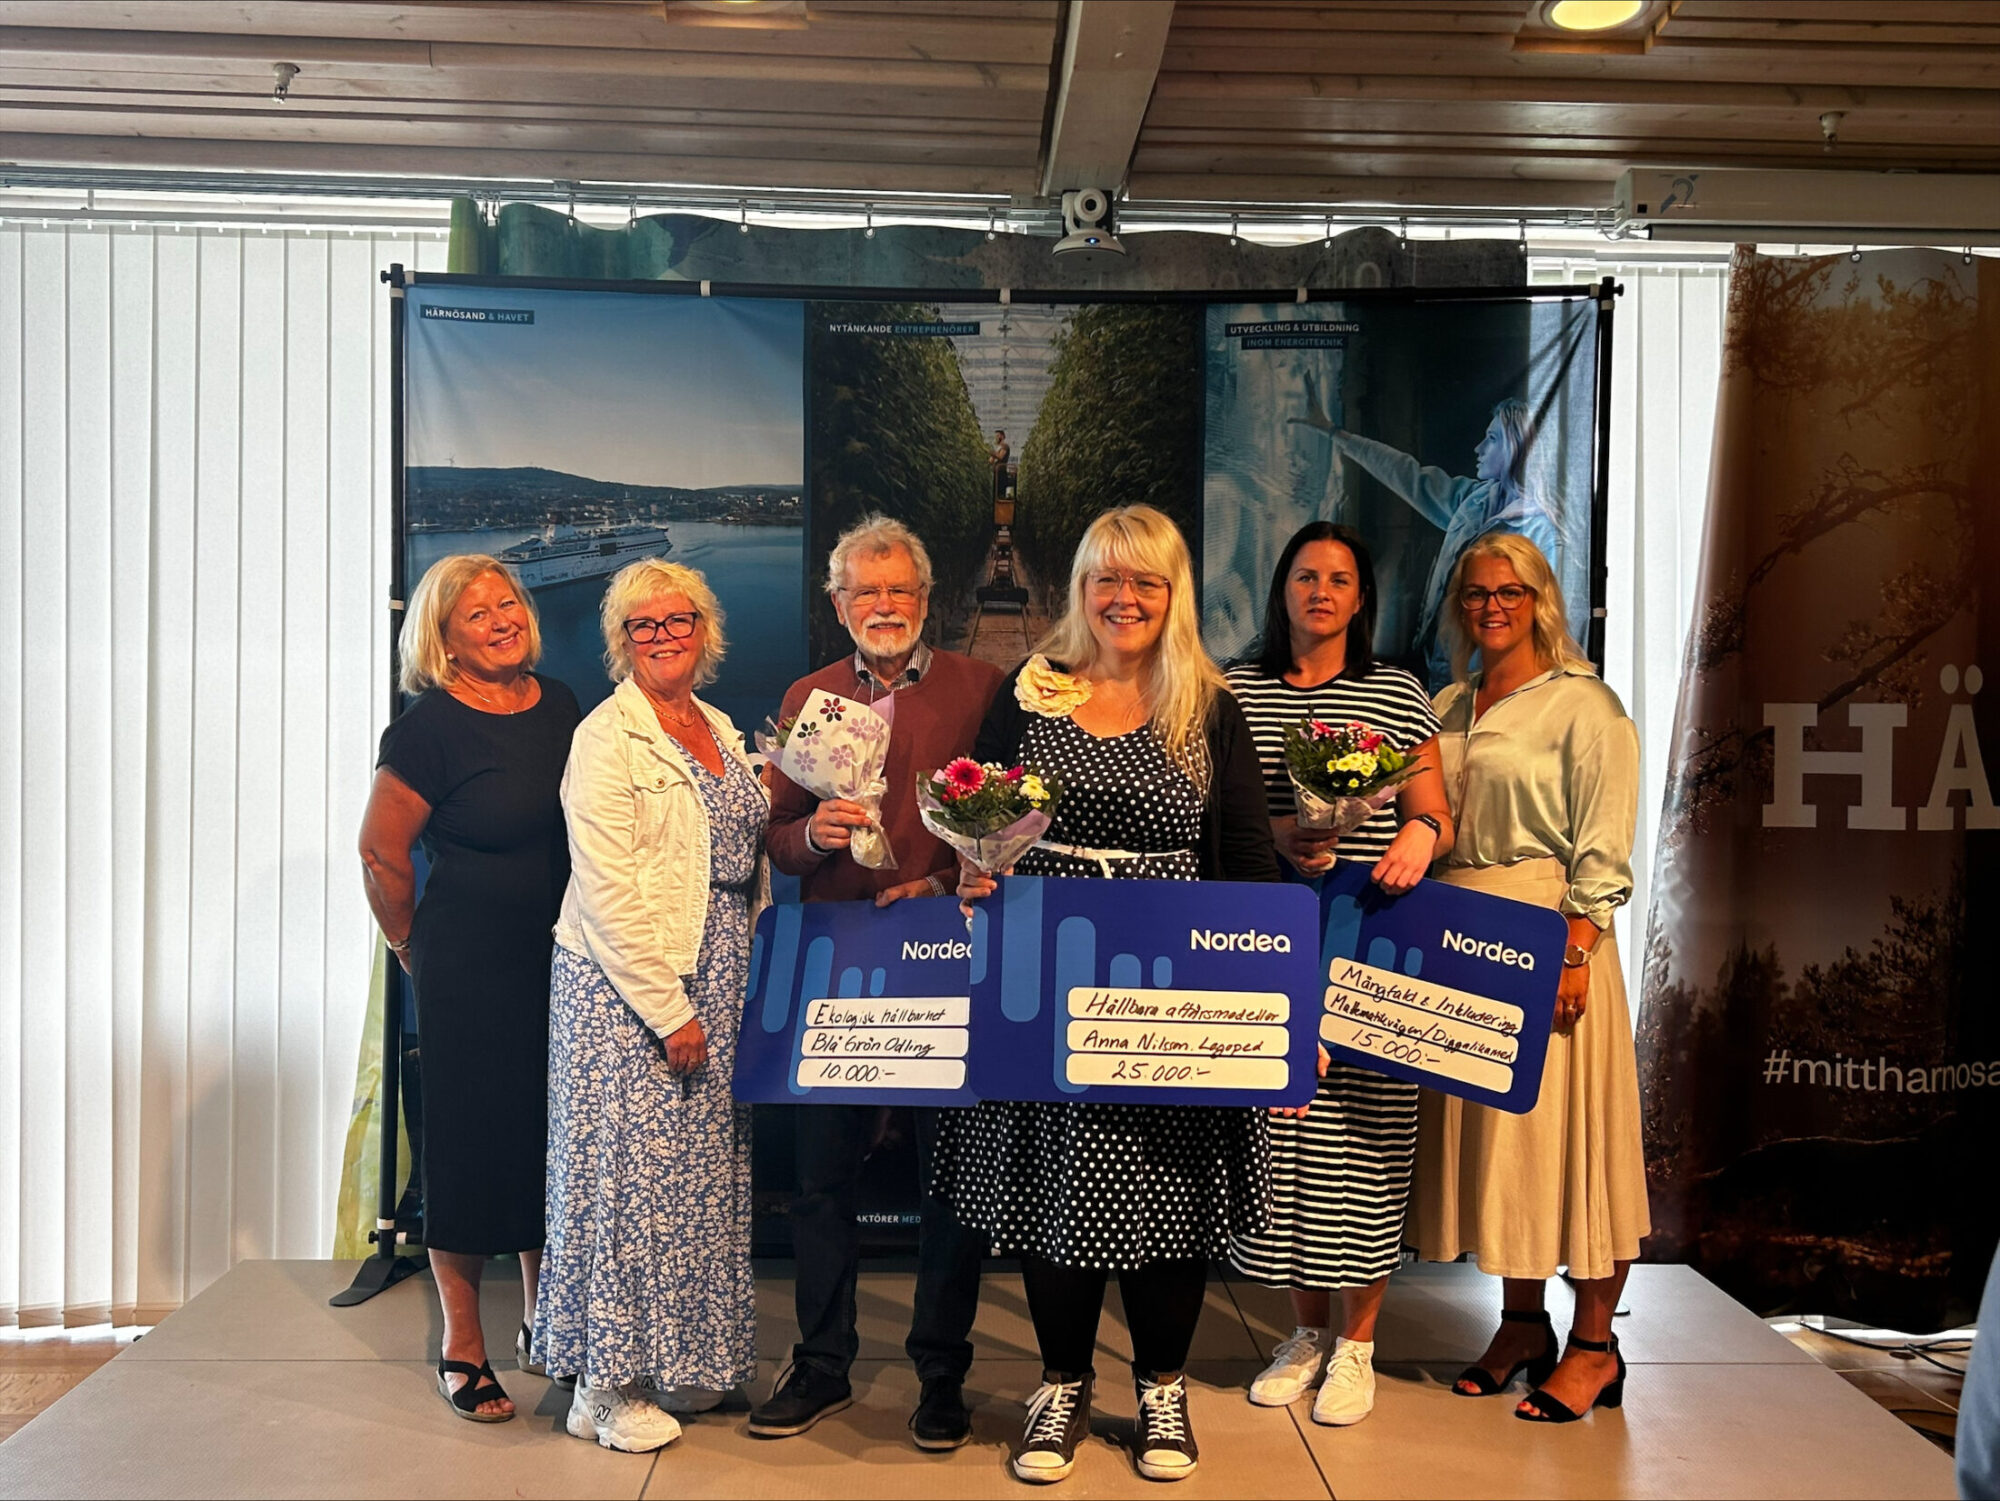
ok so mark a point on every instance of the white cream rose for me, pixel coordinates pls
(1040, 689)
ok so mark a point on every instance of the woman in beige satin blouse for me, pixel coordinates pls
(1541, 766)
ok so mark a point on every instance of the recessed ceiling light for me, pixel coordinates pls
(1592, 15)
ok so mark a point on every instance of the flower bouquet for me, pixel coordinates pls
(1342, 775)
(988, 813)
(837, 747)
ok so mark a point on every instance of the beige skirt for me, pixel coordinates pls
(1565, 1184)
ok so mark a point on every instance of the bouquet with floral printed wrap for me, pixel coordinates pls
(837, 747)
(1343, 775)
(987, 812)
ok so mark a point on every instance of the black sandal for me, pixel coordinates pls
(1548, 1410)
(481, 1386)
(1537, 1366)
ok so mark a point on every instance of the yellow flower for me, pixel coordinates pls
(1033, 790)
(1040, 689)
(1361, 761)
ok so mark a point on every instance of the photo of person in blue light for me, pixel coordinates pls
(1504, 493)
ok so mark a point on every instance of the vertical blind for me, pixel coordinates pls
(193, 575)
(193, 646)
(1666, 353)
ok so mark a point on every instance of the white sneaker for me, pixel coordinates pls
(1293, 1371)
(1348, 1393)
(620, 1417)
(679, 1398)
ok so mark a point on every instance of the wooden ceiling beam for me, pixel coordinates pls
(1103, 83)
(169, 52)
(15, 93)
(936, 36)
(690, 142)
(1479, 57)
(1305, 119)
(483, 164)
(1248, 88)
(324, 88)
(1544, 160)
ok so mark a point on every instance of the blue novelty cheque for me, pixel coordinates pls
(1445, 987)
(1145, 992)
(853, 1004)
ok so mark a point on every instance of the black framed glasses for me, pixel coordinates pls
(1510, 596)
(641, 631)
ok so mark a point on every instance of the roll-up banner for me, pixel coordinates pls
(572, 430)
(1820, 1064)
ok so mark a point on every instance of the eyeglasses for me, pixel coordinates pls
(675, 627)
(898, 595)
(1148, 587)
(1511, 596)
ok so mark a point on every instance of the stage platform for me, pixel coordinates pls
(258, 1388)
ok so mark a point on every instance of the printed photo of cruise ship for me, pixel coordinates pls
(563, 552)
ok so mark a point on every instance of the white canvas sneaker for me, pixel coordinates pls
(620, 1417)
(679, 1398)
(1348, 1393)
(1293, 1371)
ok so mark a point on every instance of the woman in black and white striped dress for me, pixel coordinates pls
(1340, 1168)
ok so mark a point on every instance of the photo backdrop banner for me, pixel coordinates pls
(1820, 1062)
(570, 431)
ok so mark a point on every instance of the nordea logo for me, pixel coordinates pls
(944, 948)
(1249, 942)
(1484, 948)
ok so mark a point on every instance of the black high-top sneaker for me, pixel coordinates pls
(1164, 1443)
(1058, 1420)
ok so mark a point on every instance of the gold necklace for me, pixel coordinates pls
(661, 706)
(494, 703)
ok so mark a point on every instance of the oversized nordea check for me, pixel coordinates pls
(850, 1003)
(1145, 992)
(1448, 988)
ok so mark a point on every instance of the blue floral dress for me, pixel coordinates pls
(647, 1267)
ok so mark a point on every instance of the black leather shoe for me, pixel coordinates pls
(942, 1420)
(804, 1395)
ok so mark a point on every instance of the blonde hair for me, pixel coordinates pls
(644, 580)
(875, 536)
(424, 663)
(1554, 646)
(1183, 682)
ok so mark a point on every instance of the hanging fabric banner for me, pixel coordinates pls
(1820, 1063)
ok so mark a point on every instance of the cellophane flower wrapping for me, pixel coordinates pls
(990, 814)
(1343, 775)
(838, 747)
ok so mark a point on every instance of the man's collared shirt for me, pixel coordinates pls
(919, 664)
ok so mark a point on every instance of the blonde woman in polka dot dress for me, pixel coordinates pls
(1160, 782)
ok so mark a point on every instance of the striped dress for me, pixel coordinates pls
(1340, 1177)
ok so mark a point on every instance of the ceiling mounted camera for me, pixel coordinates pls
(1087, 222)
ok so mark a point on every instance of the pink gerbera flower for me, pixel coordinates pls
(1014, 773)
(964, 776)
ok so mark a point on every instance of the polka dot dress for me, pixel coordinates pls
(1108, 1185)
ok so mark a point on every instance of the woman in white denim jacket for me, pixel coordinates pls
(646, 1290)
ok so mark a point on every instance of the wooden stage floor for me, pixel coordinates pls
(258, 1388)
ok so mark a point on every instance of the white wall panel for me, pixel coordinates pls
(193, 652)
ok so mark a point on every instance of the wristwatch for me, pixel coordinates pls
(1427, 821)
(1575, 956)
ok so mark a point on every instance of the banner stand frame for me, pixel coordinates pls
(386, 1268)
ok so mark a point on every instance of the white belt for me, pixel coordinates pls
(1104, 857)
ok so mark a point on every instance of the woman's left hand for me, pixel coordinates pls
(1297, 1112)
(687, 1049)
(1409, 855)
(1572, 995)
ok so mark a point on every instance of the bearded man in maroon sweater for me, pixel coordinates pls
(880, 579)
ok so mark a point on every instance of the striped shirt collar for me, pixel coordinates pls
(919, 664)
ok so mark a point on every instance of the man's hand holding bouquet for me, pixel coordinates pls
(835, 748)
